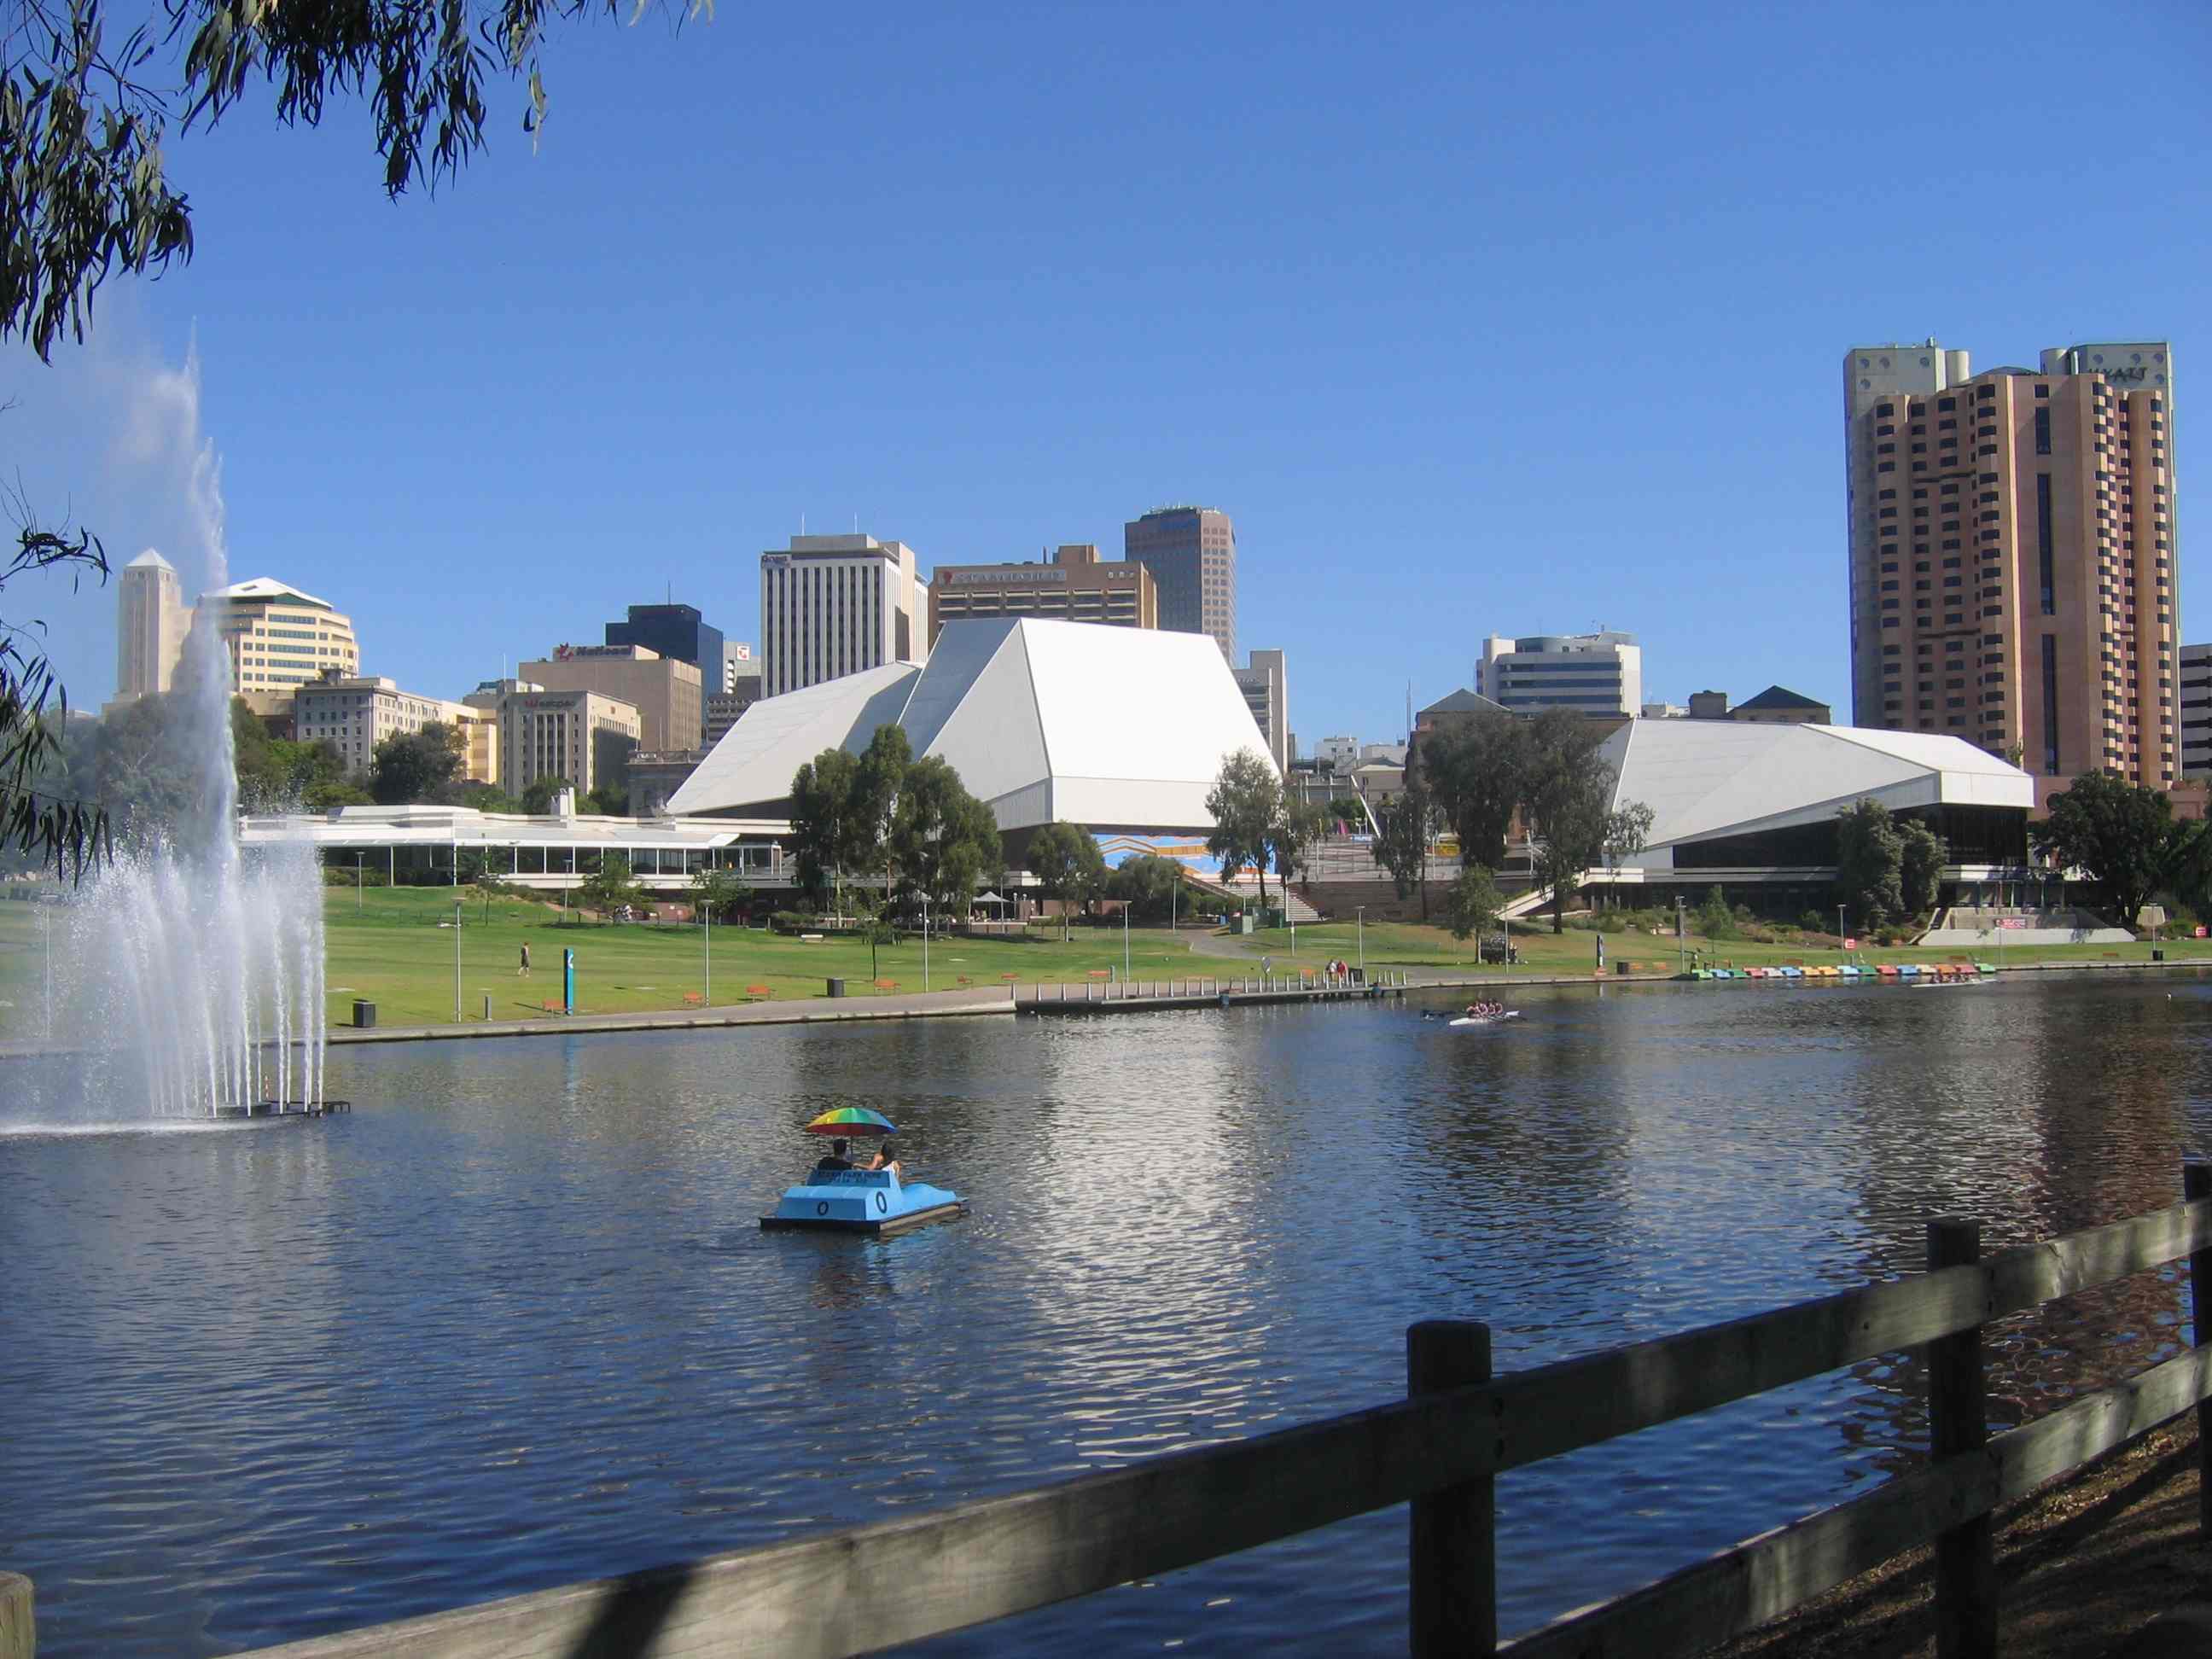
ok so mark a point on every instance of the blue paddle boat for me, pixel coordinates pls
(862, 1201)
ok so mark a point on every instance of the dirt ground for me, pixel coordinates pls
(2110, 1563)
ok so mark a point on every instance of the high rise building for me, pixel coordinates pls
(1265, 682)
(151, 621)
(674, 630)
(737, 664)
(665, 692)
(1593, 673)
(2196, 711)
(832, 606)
(279, 639)
(2014, 570)
(1073, 586)
(1192, 553)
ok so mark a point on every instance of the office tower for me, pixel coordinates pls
(1192, 553)
(665, 692)
(1265, 685)
(674, 630)
(1073, 586)
(2196, 712)
(2013, 567)
(353, 714)
(582, 737)
(832, 606)
(1593, 673)
(279, 639)
(737, 664)
(151, 620)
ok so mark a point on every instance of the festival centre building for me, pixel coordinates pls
(1739, 805)
(1120, 731)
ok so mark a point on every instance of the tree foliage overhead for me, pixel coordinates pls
(53, 824)
(2123, 836)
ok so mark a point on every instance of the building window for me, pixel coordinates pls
(2051, 705)
(2042, 544)
(2043, 431)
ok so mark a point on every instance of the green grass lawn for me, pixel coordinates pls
(393, 951)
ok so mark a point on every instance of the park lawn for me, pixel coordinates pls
(21, 985)
(1403, 944)
(395, 947)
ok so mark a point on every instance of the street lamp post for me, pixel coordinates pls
(357, 859)
(1125, 939)
(457, 962)
(1839, 927)
(925, 941)
(1359, 932)
(706, 910)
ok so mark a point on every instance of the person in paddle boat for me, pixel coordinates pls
(887, 1157)
(834, 1160)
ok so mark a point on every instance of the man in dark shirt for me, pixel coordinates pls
(835, 1161)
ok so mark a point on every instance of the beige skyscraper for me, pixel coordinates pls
(832, 606)
(151, 621)
(2013, 564)
(1192, 553)
(280, 638)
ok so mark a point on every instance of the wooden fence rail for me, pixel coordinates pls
(1441, 1448)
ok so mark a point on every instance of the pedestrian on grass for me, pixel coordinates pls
(523, 972)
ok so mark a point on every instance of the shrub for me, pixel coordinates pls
(1812, 921)
(791, 921)
(1715, 920)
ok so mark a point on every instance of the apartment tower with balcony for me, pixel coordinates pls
(2013, 572)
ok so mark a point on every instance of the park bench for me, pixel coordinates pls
(887, 985)
(757, 993)
(693, 1000)
(550, 1007)
(964, 979)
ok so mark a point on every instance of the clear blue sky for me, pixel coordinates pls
(1474, 318)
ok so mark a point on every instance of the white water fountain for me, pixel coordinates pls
(187, 975)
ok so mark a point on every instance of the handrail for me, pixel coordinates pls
(873, 1586)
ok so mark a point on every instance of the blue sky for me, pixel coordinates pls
(1475, 319)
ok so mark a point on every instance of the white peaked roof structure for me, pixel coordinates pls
(150, 560)
(267, 588)
(1120, 728)
(1705, 780)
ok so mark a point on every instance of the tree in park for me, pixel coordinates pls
(821, 793)
(2123, 836)
(473, 869)
(1067, 865)
(609, 800)
(872, 803)
(1567, 788)
(1297, 829)
(1147, 885)
(609, 887)
(1627, 832)
(1869, 864)
(411, 766)
(1245, 801)
(1920, 866)
(945, 842)
(84, 111)
(719, 895)
(1471, 903)
(539, 794)
(1475, 772)
(1408, 825)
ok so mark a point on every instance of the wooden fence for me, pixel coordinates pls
(1441, 1448)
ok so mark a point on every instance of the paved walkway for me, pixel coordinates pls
(811, 1011)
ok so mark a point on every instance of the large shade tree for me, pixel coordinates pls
(1067, 865)
(1567, 790)
(2122, 835)
(821, 836)
(1402, 848)
(1476, 770)
(945, 841)
(1869, 864)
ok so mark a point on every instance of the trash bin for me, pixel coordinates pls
(836, 988)
(2158, 956)
(364, 1014)
(1622, 966)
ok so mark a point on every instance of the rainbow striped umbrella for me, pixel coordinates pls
(851, 1120)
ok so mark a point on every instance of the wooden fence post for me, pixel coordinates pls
(1455, 1531)
(2197, 1182)
(19, 1631)
(1958, 1422)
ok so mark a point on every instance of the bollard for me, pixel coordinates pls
(18, 1631)
(2196, 1183)
(487, 1004)
(1455, 1531)
(1958, 1422)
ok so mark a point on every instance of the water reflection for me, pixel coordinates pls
(513, 1322)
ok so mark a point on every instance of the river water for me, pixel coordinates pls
(512, 1323)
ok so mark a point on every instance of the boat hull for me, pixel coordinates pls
(1488, 1019)
(866, 1202)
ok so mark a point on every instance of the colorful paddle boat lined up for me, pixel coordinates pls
(852, 1201)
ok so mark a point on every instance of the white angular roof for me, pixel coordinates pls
(1111, 727)
(267, 588)
(150, 560)
(1707, 778)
